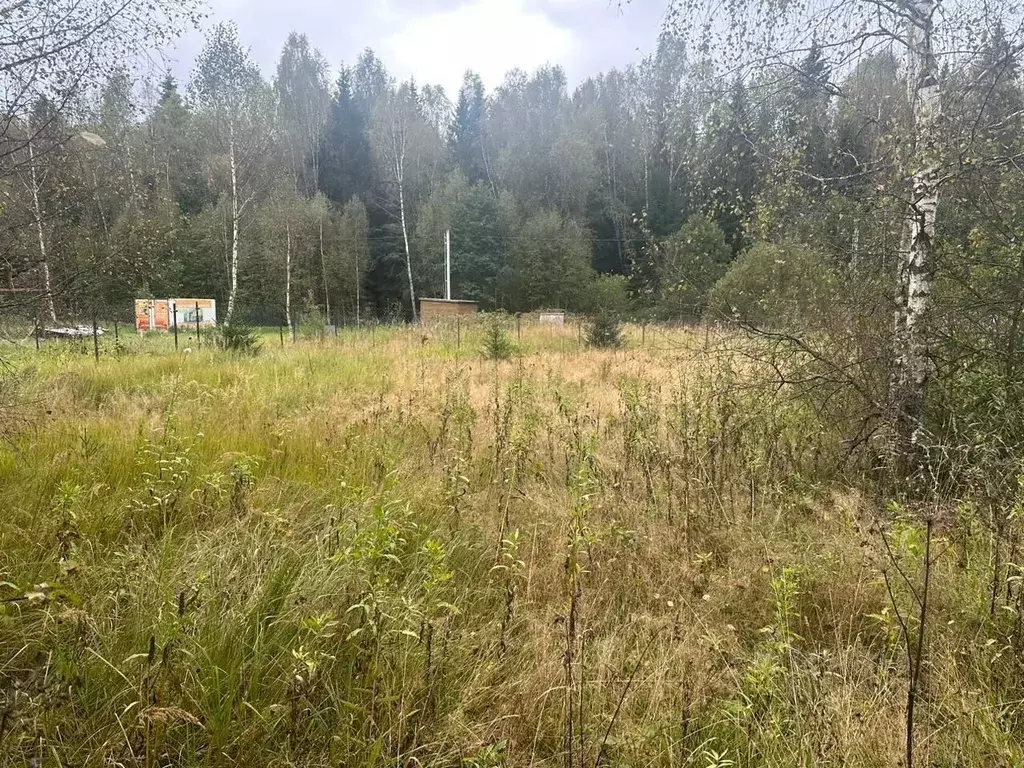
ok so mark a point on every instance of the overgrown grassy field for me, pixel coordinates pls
(384, 549)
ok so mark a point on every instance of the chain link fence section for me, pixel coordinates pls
(22, 326)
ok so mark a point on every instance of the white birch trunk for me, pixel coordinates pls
(855, 247)
(37, 213)
(917, 261)
(133, 189)
(323, 267)
(234, 231)
(288, 283)
(398, 144)
(647, 183)
(487, 167)
(408, 253)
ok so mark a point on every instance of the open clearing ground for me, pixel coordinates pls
(378, 549)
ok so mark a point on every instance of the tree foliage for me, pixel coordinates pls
(787, 285)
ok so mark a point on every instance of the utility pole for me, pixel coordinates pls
(448, 265)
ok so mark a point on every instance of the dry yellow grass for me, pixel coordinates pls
(290, 559)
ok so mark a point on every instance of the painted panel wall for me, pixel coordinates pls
(156, 314)
(187, 309)
(152, 315)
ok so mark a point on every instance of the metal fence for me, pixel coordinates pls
(113, 331)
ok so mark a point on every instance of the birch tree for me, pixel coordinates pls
(236, 106)
(394, 123)
(916, 278)
(763, 33)
(38, 216)
(35, 204)
(58, 51)
(354, 250)
(56, 48)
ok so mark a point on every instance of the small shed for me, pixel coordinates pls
(433, 310)
(551, 317)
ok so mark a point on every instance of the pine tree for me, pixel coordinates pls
(237, 111)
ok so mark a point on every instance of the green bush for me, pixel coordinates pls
(238, 338)
(609, 293)
(776, 285)
(605, 332)
(692, 261)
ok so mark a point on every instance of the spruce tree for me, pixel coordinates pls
(467, 140)
(345, 162)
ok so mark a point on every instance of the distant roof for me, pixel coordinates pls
(452, 301)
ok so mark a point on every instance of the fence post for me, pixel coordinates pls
(280, 330)
(199, 337)
(458, 333)
(519, 328)
(643, 335)
(95, 337)
(174, 311)
(117, 336)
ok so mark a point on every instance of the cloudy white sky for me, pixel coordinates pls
(437, 40)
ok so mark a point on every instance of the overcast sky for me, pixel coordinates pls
(437, 40)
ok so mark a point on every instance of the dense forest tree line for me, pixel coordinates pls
(330, 191)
